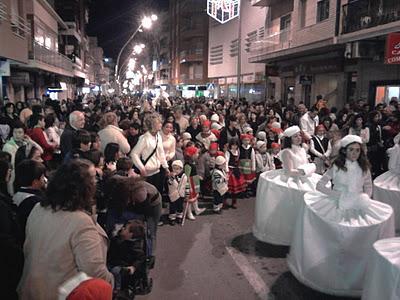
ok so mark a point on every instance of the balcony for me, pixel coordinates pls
(193, 32)
(263, 2)
(3, 12)
(195, 55)
(364, 14)
(19, 26)
(278, 41)
(50, 60)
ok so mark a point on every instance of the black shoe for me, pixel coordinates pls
(218, 212)
(178, 220)
(172, 222)
(144, 287)
(151, 261)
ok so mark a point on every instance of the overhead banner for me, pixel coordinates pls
(223, 10)
(392, 49)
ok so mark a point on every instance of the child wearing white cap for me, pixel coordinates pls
(219, 180)
(176, 192)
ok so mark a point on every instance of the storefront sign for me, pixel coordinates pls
(319, 66)
(223, 10)
(20, 78)
(393, 49)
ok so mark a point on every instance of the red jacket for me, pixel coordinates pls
(38, 136)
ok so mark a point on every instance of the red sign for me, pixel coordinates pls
(393, 48)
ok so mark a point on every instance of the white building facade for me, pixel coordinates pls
(223, 54)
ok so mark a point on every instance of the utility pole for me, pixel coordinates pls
(239, 57)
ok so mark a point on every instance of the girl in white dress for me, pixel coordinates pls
(280, 192)
(387, 185)
(337, 226)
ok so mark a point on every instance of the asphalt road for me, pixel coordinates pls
(217, 257)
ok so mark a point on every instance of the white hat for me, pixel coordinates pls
(177, 163)
(220, 160)
(276, 125)
(186, 136)
(248, 129)
(215, 118)
(262, 135)
(202, 118)
(350, 139)
(260, 144)
(215, 125)
(292, 130)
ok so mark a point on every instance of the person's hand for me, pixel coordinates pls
(167, 172)
(143, 172)
(387, 127)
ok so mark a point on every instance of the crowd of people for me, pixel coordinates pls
(76, 174)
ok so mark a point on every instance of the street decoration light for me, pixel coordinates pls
(223, 10)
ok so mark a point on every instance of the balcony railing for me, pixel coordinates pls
(363, 14)
(19, 25)
(191, 55)
(274, 42)
(3, 12)
(51, 57)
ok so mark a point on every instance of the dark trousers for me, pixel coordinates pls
(218, 198)
(176, 207)
(157, 180)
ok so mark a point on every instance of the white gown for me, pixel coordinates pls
(280, 195)
(387, 185)
(335, 231)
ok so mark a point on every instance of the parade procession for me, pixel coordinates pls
(200, 149)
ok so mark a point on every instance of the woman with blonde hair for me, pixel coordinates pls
(148, 155)
(111, 133)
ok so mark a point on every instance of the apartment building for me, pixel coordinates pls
(368, 30)
(223, 54)
(47, 49)
(189, 47)
(15, 32)
(300, 50)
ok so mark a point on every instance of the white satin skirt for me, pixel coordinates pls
(278, 201)
(387, 190)
(331, 244)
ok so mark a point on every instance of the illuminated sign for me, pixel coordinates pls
(223, 10)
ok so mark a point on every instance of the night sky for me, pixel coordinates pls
(113, 21)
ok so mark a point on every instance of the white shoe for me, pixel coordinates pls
(189, 214)
(198, 211)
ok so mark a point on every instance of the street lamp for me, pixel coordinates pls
(146, 23)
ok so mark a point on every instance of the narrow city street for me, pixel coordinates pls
(217, 257)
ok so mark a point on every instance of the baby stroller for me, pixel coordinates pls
(130, 247)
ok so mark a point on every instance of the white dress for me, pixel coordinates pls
(280, 195)
(383, 274)
(387, 185)
(335, 231)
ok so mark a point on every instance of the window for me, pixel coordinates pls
(322, 10)
(303, 12)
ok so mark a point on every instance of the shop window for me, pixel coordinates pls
(386, 93)
(322, 10)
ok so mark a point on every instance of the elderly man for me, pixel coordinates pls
(76, 122)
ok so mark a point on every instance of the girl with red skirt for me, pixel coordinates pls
(236, 182)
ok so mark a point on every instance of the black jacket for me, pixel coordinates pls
(11, 254)
(66, 140)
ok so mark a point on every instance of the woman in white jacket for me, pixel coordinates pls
(148, 154)
(111, 133)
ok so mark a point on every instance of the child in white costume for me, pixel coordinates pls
(387, 185)
(219, 180)
(280, 192)
(176, 191)
(336, 227)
